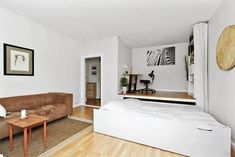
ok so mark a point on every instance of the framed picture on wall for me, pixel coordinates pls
(161, 56)
(93, 68)
(18, 60)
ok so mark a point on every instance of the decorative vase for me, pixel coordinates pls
(124, 90)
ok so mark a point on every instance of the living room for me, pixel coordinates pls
(49, 97)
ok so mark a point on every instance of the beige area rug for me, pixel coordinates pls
(57, 132)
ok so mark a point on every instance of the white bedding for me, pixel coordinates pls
(183, 129)
(186, 114)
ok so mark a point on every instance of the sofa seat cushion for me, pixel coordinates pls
(14, 114)
(59, 111)
(31, 111)
(43, 110)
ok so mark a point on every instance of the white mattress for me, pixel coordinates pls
(186, 114)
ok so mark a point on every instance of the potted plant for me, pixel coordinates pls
(124, 84)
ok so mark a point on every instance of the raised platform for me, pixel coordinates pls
(162, 96)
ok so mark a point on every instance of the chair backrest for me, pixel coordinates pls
(152, 75)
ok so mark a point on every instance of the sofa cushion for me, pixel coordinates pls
(14, 104)
(42, 110)
(58, 112)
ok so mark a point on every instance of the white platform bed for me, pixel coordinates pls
(182, 129)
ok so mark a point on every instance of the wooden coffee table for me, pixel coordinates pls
(26, 124)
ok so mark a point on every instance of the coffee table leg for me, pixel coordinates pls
(45, 133)
(11, 140)
(25, 142)
(30, 134)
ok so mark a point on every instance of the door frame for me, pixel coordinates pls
(83, 77)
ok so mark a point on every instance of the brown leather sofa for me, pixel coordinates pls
(51, 105)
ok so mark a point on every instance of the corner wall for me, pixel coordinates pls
(55, 58)
(221, 83)
(168, 77)
(124, 58)
(108, 50)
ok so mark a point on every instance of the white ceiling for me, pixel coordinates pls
(139, 23)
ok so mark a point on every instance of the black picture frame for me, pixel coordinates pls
(18, 60)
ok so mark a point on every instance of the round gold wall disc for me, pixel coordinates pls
(225, 53)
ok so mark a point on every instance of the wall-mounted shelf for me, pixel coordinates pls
(190, 62)
(191, 43)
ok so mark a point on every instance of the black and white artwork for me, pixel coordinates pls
(18, 60)
(163, 56)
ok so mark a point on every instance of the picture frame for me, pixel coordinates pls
(93, 67)
(18, 60)
(161, 56)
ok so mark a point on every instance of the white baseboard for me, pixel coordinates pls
(76, 105)
(92, 106)
(86, 106)
(233, 145)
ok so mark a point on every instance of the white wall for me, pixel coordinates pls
(124, 58)
(167, 78)
(221, 83)
(94, 78)
(108, 50)
(55, 58)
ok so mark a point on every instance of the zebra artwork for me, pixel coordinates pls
(163, 56)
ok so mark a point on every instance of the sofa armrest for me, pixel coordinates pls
(64, 98)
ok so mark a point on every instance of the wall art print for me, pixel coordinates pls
(18, 60)
(161, 56)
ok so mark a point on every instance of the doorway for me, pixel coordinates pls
(93, 81)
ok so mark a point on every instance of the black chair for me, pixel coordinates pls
(147, 82)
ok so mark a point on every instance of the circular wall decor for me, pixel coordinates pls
(225, 52)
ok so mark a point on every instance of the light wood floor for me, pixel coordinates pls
(94, 102)
(83, 112)
(98, 145)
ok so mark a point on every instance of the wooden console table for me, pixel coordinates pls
(132, 82)
(26, 124)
